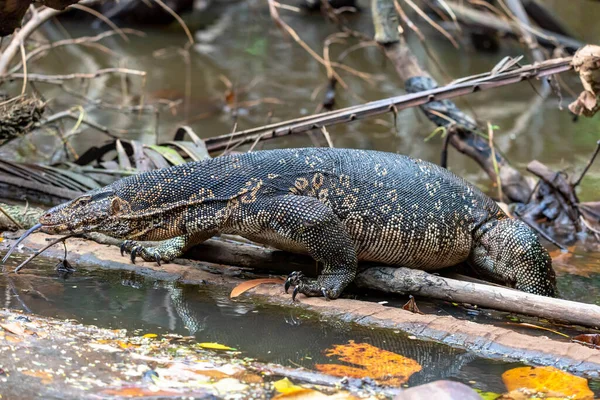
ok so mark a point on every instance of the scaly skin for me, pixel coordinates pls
(337, 205)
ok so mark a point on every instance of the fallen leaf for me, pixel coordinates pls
(559, 255)
(590, 338)
(383, 366)
(215, 346)
(247, 285)
(248, 377)
(286, 386)
(43, 375)
(411, 305)
(150, 335)
(546, 380)
(13, 328)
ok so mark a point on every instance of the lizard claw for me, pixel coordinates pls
(122, 247)
(156, 255)
(133, 254)
(324, 292)
(295, 293)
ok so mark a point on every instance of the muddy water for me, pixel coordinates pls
(291, 337)
(274, 79)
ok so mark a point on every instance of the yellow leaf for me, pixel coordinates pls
(286, 386)
(247, 285)
(547, 380)
(383, 366)
(150, 335)
(215, 346)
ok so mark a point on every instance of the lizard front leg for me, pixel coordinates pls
(314, 226)
(167, 250)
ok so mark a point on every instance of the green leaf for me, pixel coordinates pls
(168, 153)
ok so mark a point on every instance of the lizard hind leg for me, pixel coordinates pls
(314, 226)
(166, 251)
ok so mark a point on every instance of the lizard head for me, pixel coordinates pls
(95, 211)
(510, 248)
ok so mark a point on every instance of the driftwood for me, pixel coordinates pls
(406, 281)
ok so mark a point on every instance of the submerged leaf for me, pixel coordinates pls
(383, 366)
(547, 380)
(247, 285)
(215, 346)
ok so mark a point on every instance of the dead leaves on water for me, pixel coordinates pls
(530, 382)
(289, 391)
(385, 367)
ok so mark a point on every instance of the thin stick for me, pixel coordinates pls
(37, 253)
(589, 164)
(383, 106)
(432, 23)
(41, 15)
(494, 160)
(541, 232)
(178, 18)
(104, 19)
(23, 56)
(17, 224)
(61, 78)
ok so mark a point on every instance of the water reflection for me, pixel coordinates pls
(270, 334)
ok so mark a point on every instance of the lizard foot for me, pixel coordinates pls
(135, 249)
(306, 286)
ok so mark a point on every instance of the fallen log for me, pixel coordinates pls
(486, 340)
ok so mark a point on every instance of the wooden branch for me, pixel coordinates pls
(470, 16)
(405, 281)
(466, 86)
(60, 78)
(421, 283)
(38, 18)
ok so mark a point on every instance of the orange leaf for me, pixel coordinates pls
(547, 380)
(133, 391)
(43, 375)
(382, 365)
(245, 286)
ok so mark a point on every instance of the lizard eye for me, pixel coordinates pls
(83, 200)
